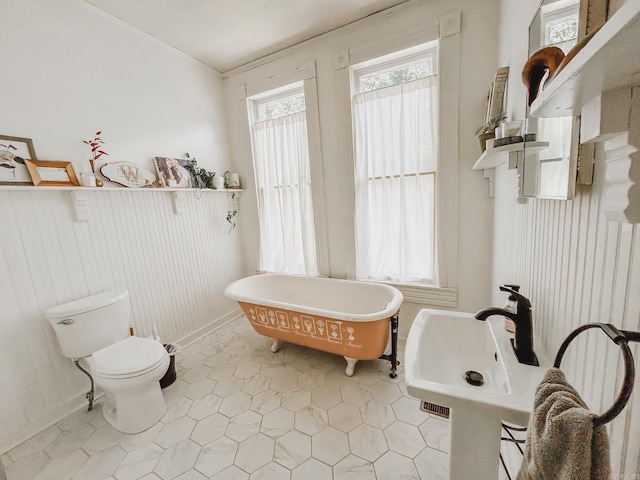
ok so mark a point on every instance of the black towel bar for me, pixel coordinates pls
(621, 338)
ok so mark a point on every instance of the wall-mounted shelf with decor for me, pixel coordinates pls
(514, 154)
(492, 157)
(115, 189)
(610, 60)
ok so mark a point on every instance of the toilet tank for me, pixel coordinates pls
(85, 326)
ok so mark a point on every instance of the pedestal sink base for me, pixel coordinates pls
(455, 361)
(475, 445)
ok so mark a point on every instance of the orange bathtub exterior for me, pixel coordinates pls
(359, 340)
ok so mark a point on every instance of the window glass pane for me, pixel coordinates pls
(562, 30)
(560, 27)
(281, 107)
(394, 149)
(395, 76)
(283, 180)
(411, 258)
(395, 116)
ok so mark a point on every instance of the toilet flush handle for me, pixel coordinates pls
(66, 321)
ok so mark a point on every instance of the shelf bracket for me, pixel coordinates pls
(613, 118)
(516, 161)
(490, 174)
(80, 203)
(178, 203)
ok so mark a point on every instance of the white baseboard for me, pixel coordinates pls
(207, 329)
(13, 440)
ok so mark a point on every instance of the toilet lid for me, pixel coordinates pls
(129, 357)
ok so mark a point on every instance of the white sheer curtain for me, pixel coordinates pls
(287, 237)
(396, 145)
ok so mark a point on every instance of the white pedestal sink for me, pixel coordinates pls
(441, 348)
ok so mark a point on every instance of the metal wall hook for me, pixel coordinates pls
(621, 338)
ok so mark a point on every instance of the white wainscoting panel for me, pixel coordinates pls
(577, 267)
(174, 266)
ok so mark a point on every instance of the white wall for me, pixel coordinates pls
(574, 264)
(477, 64)
(69, 70)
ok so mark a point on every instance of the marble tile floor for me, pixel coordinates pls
(238, 411)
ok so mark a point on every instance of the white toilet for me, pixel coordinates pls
(95, 330)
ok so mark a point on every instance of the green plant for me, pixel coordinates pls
(491, 125)
(201, 177)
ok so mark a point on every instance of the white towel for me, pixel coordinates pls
(562, 441)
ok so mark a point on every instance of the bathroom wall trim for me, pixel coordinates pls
(207, 329)
(432, 296)
(14, 439)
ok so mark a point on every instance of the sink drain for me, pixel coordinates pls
(474, 378)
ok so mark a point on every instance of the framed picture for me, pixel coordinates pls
(172, 172)
(46, 172)
(128, 174)
(593, 14)
(13, 153)
(495, 103)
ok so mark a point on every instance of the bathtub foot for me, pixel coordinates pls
(351, 366)
(393, 358)
(275, 346)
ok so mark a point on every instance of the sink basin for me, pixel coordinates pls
(442, 347)
(452, 344)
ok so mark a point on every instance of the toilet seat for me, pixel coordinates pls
(131, 357)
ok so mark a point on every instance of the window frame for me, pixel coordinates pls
(446, 30)
(305, 73)
(382, 64)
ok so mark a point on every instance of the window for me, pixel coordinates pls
(395, 130)
(283, 180)
(560, 27)
(279, 106)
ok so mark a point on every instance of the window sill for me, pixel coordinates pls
(425, 294)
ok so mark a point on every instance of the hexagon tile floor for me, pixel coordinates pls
(238, 411)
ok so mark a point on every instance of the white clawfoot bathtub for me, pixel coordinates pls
(345, 317)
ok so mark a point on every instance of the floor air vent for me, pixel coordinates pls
(435, 409)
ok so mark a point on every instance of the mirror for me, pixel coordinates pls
(551, 173)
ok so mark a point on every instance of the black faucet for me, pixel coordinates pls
(523, 345)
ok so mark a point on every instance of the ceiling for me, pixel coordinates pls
(225, 34)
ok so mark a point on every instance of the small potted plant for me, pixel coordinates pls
(202, 178)
(488, 130)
